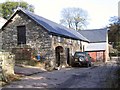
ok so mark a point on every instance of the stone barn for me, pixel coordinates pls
(30, 34)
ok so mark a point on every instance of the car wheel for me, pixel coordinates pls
(90, 65)
(87, 65)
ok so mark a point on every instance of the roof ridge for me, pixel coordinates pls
(93, 29)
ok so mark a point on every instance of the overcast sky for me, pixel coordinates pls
(99, 11)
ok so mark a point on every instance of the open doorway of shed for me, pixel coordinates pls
(58, 50)
(68, 55)
(100, 56)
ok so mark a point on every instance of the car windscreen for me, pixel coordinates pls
(79, 54)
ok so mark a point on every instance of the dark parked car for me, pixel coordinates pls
(81, 59)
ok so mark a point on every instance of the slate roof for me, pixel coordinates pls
(95, 35)
(96, 46)
(52, 27)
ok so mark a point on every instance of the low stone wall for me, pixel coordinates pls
(22, 53)
(7, 64)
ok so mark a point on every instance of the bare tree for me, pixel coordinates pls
(75, 18)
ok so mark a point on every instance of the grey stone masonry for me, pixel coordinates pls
(8, 63)
(36, 36)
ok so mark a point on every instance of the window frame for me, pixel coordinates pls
(21, 34)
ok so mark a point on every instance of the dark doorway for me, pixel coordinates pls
(58, 50)
(68, 56)
(21, 34)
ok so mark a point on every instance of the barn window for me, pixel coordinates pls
(60, 39)
(21, 35)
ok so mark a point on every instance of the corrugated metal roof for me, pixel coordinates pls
(95, 35)
(96, 46)
(55, 28)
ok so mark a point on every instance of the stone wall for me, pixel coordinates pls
(73, 45)
(7, 63)
(37, 37)
(65, 43)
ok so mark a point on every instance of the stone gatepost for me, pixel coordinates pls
(8, 63)
(63, 60)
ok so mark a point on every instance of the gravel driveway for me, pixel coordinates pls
(92, 77)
